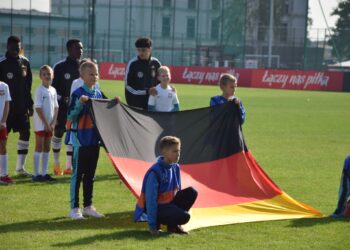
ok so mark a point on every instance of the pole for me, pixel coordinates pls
(197, 34)
(68, 31)
(152, 4)
(30, 28)
(109, 30)
(92, 29)
(173, 35)
(11, 17)
(244, 34)
(130, 20)
(270, 34)
(49, 39)
(305, 34)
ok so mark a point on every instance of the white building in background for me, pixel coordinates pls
(185, 32)
(43, 36)
(194, 32)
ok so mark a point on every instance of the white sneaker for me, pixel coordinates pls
(23, 172)
(91, 211)
(76, 214)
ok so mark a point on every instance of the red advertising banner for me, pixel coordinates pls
(257, 78)
(112, 71)
(181, 74)
(207, 75)
(297, 79)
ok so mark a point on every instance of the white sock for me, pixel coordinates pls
(56, 147)
(36, 163)
(21, 157)
(3, 165)
(69, 156)
(45, 162)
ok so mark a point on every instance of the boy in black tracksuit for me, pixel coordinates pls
(141, 75)
(16, 72)
(65, 71)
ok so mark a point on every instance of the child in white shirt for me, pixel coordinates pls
(166, 99)
(45, 116)
(5, 99)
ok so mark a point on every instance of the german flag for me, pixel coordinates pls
(232, 187)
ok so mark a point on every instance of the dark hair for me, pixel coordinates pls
(70, 42)
(13, 39)
(168, 141)
(143, 42)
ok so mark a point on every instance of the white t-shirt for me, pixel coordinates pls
(77, 83)
(46, 99)
(164, 100)
(4, 97)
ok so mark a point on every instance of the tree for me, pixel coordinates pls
(341, 33)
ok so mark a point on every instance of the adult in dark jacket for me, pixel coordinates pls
(65, 72)
(15, 71)
(141, 75)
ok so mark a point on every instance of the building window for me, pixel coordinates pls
(262, 31)
(166, 3)
(52, 31)
(215, 4)
(191, 27)
(166, 27)
(75, 33)
(286, 7)
(284, 32)
(192, 4)
(6, 28)
(52, 48)
(214, 34)
(29, 30)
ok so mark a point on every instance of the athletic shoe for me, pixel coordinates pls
(91, 212)
(37, 178)
(24, 173)
(67, 171)
(6, 180)
(48, 178)
(57, 170)
(347, 211)
(76, 214)
(176, 230)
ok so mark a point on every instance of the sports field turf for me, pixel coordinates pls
(300, 138)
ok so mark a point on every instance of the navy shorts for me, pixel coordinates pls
(18, 122)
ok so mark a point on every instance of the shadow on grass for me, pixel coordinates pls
(125, 234)
(310, 222)
(121, 223)
(120, 220)
(64, 179)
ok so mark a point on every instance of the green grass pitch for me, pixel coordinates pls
(300, 138)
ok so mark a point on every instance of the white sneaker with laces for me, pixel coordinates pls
(76, 214)
(91, 211)
(23, 172)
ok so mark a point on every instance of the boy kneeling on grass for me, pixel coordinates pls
(343, 206)
(162, 201)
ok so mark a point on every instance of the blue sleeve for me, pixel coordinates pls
(178, 176)
(176, 108)
(75, 107)
(152, 108)
(151, 200)
(212, 102)
(242, 112)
